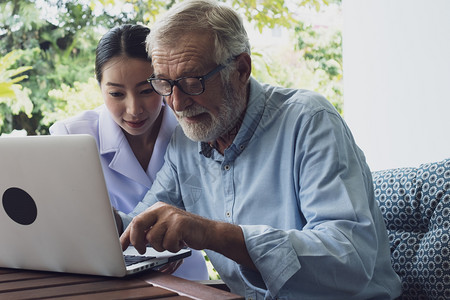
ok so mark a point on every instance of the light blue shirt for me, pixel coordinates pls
(126, 180)
(299, 187)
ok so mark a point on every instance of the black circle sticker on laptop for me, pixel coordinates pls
(19, 206)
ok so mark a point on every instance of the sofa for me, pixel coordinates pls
(415, 203)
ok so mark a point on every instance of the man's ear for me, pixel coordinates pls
(244, 67)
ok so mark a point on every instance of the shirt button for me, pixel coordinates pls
(241, 147)
(227, 167)
(228, 214)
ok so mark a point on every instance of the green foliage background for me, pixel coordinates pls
(47, 51)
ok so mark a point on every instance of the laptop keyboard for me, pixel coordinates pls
(134, 259)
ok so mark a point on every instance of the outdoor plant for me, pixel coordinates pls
(14, 98)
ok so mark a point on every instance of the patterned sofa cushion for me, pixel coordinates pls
(415, 203)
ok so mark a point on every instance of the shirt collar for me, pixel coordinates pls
(168, 124)
(110, 134)
(113, 144)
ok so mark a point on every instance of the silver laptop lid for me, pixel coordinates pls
(55, 213)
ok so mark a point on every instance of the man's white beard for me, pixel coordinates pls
(211, 128)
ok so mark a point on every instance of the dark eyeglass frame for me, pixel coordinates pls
(173, 83)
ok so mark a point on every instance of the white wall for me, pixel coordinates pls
(397, 79)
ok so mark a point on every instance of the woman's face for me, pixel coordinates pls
(130, 99)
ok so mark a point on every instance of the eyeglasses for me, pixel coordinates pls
(189, 85)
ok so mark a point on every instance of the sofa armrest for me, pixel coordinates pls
(415, 203)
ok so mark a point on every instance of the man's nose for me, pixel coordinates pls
(179, 100)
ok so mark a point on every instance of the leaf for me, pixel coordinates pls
(6, 91)
(8, 60)
(21, 101)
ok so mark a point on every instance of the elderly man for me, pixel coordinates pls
(267, 180)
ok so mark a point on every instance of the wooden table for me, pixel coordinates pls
(23, 284)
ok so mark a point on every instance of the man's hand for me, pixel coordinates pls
(166, 227)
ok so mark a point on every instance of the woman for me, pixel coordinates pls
(132, 128)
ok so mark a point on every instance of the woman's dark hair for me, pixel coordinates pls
(124, 40)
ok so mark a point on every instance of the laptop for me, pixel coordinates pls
(55, 213)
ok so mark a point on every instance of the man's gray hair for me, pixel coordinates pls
(190, 16)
